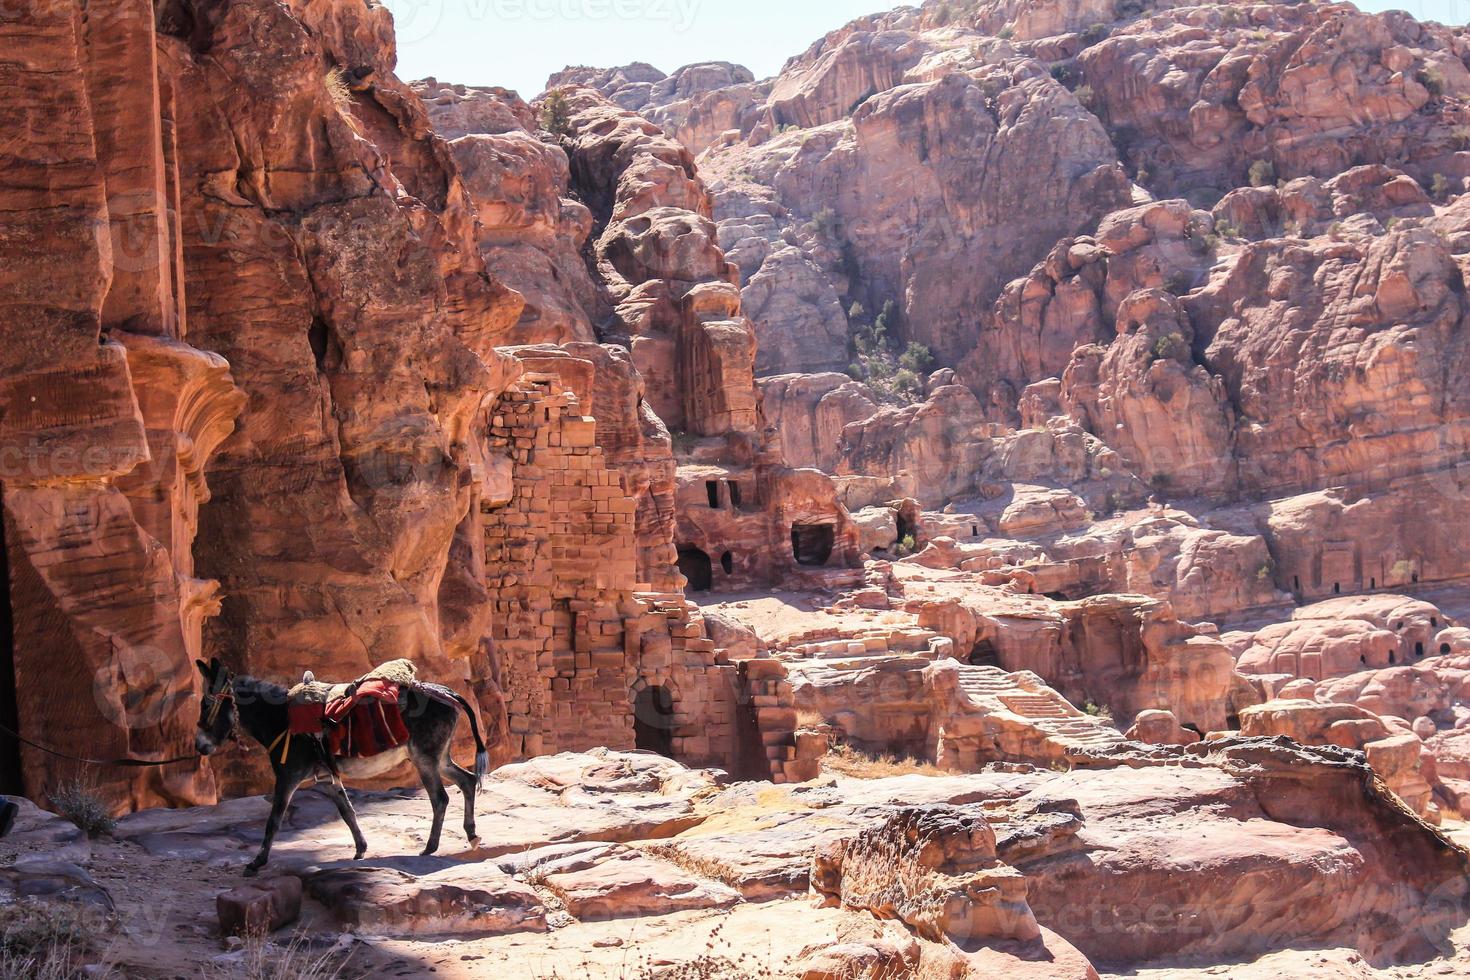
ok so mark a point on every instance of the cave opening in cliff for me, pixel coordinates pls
(10, 771)
(984, 654)
(1418, 649)
(653, 720)
(727, 562)
(734, 494)
(750, 763)
(712, 490)
(1444, 648)
(812, 544)
(695, 566)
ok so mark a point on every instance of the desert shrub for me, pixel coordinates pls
(1006, 33)
(824, 224)
(77, 800)
(1086, 96)
(893, 377)
(556, 114)
(1262, 173)
(1130, 8)
(1096, 34)
(916, 358)
(1441, 186)
(1171, 346)
(1178, 283)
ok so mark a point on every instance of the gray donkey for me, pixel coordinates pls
(260, 708)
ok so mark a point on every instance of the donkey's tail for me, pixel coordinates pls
(482, 756)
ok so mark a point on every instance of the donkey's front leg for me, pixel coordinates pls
(286, 783)
(338, 796)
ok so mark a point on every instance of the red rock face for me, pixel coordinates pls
(110, 417)
(269, 328)
(336, 267)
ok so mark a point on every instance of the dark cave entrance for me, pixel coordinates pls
(11, 782)
(695, 566)
(812, 544)
(653, 720)
(751, 764)
(727, 562)
(984, 654)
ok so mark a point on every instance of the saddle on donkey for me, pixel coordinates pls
(357, 720)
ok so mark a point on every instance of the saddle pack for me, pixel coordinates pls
(354, 721)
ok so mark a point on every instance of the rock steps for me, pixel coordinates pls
(992, 691)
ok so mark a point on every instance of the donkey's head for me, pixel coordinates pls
(219, 716)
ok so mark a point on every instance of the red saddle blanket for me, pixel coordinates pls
(363, 724)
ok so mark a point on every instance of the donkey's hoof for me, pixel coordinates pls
(428, 851)
(359, 855)
(251, 870)
(473, 840)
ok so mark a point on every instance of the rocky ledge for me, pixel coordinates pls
(608, 864)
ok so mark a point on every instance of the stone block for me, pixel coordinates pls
(260, 907)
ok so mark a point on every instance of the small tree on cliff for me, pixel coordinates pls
(556, 115)
(891, 376)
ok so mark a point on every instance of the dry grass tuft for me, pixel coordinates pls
(264, 960)
(807, 718)
(844, 760)
(44, 942)
(78, 801)
(335, 82)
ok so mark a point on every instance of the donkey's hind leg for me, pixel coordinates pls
(338, 795)
(433, 780)
(467, 784)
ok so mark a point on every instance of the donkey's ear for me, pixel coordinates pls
(203, 667)
(214, 665)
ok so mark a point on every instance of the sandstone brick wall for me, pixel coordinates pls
(577, 645)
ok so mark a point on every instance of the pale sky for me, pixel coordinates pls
(518, 43)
